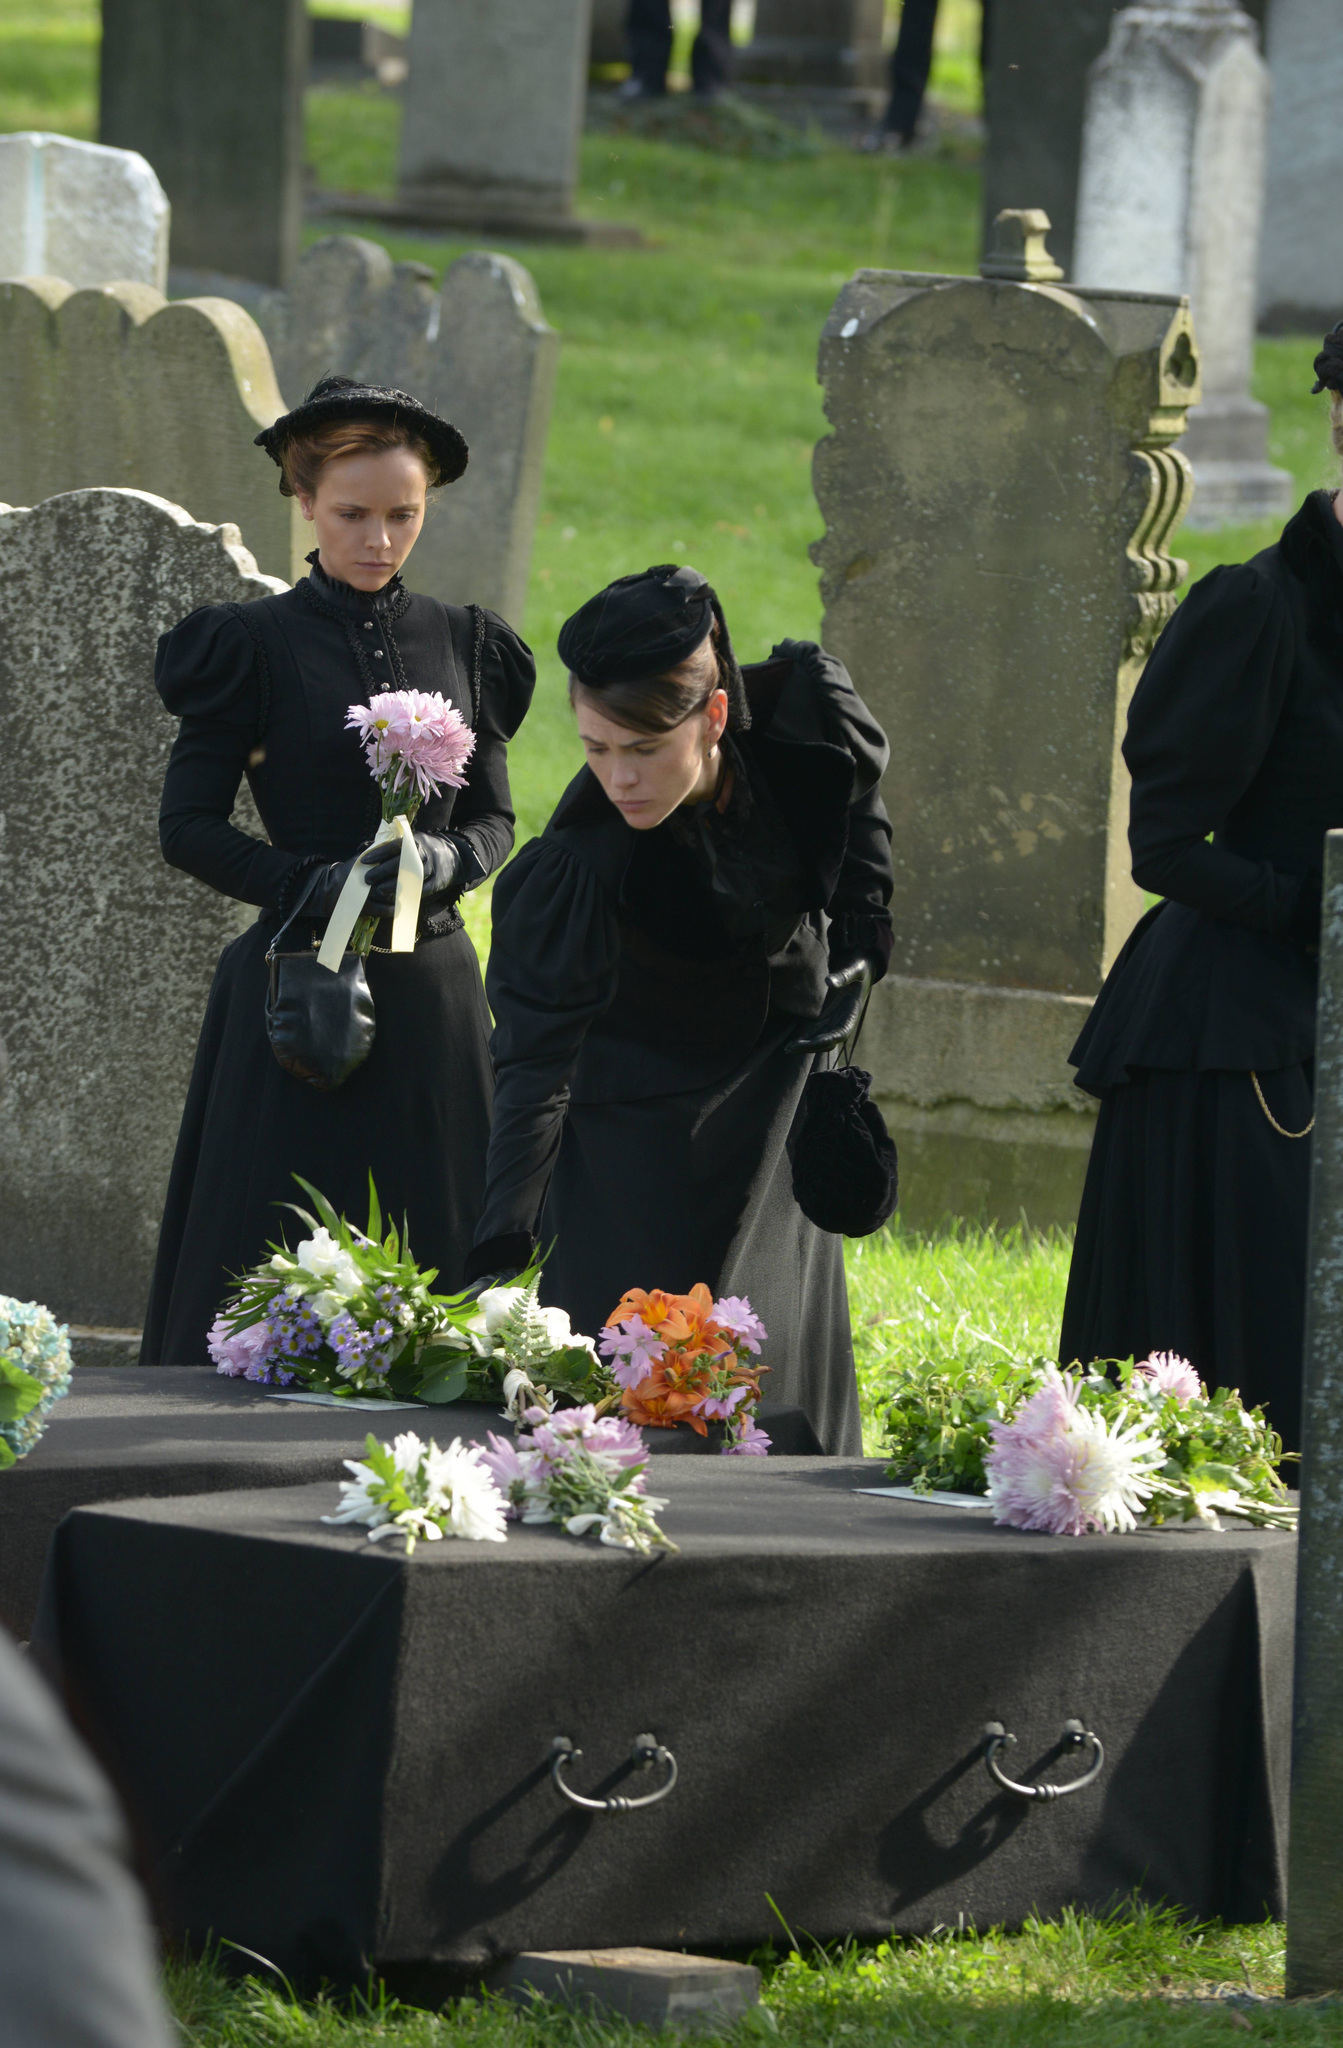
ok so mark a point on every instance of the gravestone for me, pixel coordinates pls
(493, 113)
(1169, 200)
(211, 92)
(116, 386)
(832, 44)
(998, 490)
(1301, 254)
(1315, 1876)
(111, 951)
(479, 351)
(74, 210)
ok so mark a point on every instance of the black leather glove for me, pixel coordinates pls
(325, 887)
(848, 983)
(442, 869)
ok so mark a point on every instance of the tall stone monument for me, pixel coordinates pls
(211, 91)
(831, 44)
(479, 351)
(998, 490)
(1301, 254)
(75, 210)
(115, 386)
(1315, 1875)
(1169, 200)
(493, 115)
(111, 951)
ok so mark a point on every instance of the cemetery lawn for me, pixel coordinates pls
(1124, 1981)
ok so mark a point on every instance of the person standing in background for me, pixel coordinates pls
(648, 31)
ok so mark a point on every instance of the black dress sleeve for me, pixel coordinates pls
(554, 959)
(482, 817)
(207, 675)
(1202, 719)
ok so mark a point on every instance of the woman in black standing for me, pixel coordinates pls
(262, 690)
(1192, 1233)
(702, 917)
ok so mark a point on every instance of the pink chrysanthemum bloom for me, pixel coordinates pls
(1061, 1469)
(416, 736)
(633, 1349)
(612, 1441)
(1170, 1374)
(509, 1470)
(735, 1315)
(241, 1355)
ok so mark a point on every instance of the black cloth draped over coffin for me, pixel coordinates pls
(262, 690)
(339, 1757)
(1193, 1222)
(644, 986)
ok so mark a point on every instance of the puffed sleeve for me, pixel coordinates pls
(553, 963)
(482, 818)
(207, 675)
(1202, 719)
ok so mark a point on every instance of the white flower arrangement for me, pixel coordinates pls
(34, 1374)
(415, 1490)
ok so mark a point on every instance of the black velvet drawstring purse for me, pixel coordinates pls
(845, 1170)
(321, 1025)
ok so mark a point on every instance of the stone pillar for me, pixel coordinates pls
(998, 491)
(1169, 200)
(1301, 254)
(494, 110)
(103, 993)
(211, 92)
(115, 386)
(76, 211)
(1315, 1874)
(479, 351)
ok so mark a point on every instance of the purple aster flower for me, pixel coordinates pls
(633, 1348)
(735, 1315)
(746, 1440)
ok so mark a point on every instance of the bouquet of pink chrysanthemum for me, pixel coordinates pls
(415, 744)
(586, 1472)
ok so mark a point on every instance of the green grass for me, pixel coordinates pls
(1118, 1981)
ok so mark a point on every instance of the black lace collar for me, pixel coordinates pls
(333, 596)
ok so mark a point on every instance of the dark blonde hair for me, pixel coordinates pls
(657, 704)
(304, 456)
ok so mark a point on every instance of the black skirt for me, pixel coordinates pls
(416, 1115)
(676, 1189)
(1192, 1233)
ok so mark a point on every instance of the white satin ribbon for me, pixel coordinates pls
(351, 900)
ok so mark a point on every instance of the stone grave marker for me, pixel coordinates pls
(211, 92)
(831, 44)
(998, 490)
(111, 951)
(115, 386)
(75, 210)
(1169, 200)
(1301, 252)
(1314, 1874)
(479, 351)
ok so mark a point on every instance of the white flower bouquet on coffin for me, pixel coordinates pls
(348, 1313)
(34, 1374)
(1067, 1453)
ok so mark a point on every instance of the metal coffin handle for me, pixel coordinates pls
(645, 1751)
(1075, 1736)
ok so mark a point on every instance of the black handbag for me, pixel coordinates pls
(321, 1025)
(846, 1174)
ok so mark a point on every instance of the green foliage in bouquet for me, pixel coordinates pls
(938, 1423)
(34, 1374)
(537, 1357)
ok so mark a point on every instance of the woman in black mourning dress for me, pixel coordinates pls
(262, 690)
(700, 920)
(1192, 1233)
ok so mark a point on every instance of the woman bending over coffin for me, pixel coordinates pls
(263, 690)
(1192, 1234)
(701, 918)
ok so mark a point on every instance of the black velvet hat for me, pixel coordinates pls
(641, 626)
(343, 398)
(1329, 362)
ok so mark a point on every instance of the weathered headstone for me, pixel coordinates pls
(833, 44)
(1169, 200)
(211, 92)
(1315, 1873)
(78, 211)
(115, 386)
(493, 115)
(111, 951)
(479, 351)
(998, 491)
(1301, 254)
